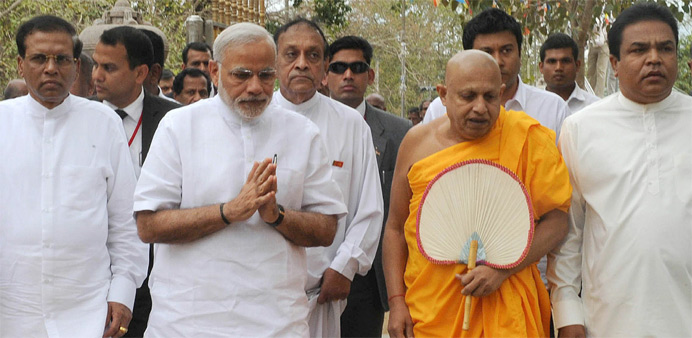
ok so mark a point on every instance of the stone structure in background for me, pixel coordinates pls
(120, 15)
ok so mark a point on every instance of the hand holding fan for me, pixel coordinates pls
(475, 200)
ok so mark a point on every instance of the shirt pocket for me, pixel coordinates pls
(82, 187)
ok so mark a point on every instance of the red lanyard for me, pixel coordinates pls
(136, 129)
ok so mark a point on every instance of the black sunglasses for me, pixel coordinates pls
(357, 67)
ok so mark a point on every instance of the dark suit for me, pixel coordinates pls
(153, 111)
(367, 301)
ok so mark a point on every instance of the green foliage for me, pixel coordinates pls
(331, 14)
(429, 38)
(684, 81)
(167, 15)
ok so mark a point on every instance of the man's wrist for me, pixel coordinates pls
(223, 217)
(280, 218)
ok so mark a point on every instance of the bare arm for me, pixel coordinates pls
(394, 248)
(549, 232)
(308, 228)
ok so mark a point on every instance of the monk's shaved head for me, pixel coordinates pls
(472, 92)
(470, 63)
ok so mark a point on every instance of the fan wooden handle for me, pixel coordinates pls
(469, 266)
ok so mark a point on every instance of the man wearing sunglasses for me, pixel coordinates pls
(70, 259)
(348, 76)
(302, 56)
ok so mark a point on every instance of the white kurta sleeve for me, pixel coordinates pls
(565, 261)
(129, 255)
(160, 182)
(364, 223)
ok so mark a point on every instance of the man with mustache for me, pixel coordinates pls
(624, 267)
(232, 192)
(559, 65)
(302, 56)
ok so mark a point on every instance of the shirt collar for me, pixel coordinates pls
(639, 107)
(302, 108)
(361, 108)
(519, 96)
(134, 110)
(577, 94)
(38, 109)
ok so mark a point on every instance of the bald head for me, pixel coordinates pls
(15, 88)
(376, 100)
(471, 63)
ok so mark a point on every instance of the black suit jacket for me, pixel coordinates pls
(155, 108)
(387, 132)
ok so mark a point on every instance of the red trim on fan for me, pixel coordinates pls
(507, 171)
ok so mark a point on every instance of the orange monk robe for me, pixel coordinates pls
(520, 307)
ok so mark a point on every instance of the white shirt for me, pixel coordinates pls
(630, 224)
(68, 242)
(547, 108)
(130, 122)
(247, 279)
(579, 99)
(354, 166)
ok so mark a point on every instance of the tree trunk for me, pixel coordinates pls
(583, 22)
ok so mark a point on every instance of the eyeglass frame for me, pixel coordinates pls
(240, 74)
(68, 60)
(349, 66)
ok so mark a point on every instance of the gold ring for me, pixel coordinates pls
(123, 330)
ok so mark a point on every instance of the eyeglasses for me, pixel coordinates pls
(243, 74)
(357, 67)
(62, 60)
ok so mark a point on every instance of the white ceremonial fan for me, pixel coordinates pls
(475, 200)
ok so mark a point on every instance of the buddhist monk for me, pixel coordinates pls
(425, 298)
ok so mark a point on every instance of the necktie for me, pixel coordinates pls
(122, 113)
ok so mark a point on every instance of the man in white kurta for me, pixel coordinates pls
(70, 258)
(628, 155)
(245, 277)
(352, 158)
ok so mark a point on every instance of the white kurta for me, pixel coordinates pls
(68, 241)
(630, 237)
(354, 165)
(579, 99)
(547, 108)
(247, 279)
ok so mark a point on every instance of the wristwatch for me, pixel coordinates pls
(280, 218)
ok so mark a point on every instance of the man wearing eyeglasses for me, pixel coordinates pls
(302, 56)
(70, 259)
(348, 76)
(233, 191)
